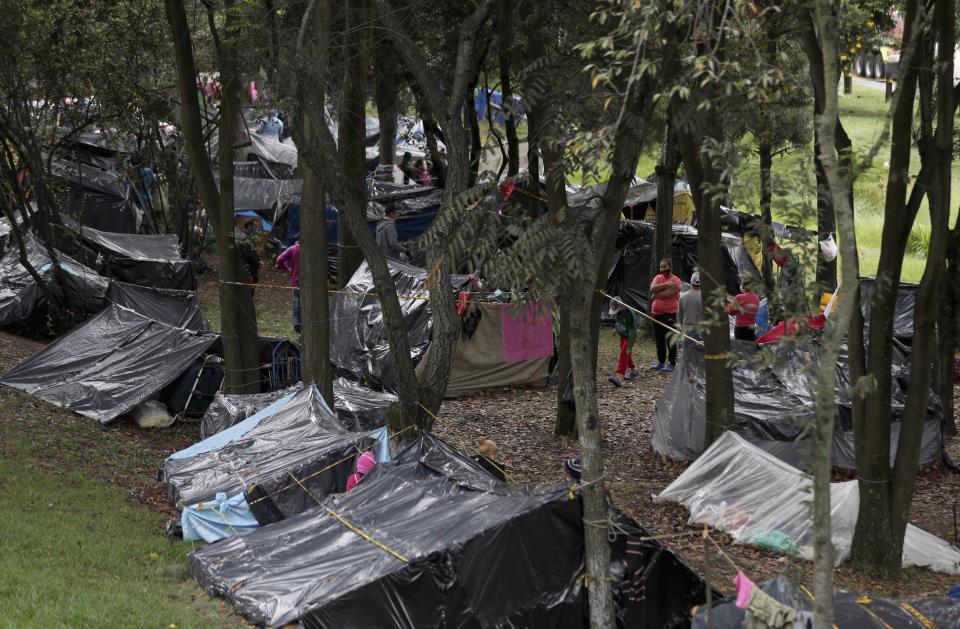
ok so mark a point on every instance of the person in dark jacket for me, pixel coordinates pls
(406, 167)
(387, 239)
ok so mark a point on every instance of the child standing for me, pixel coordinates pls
(626, 329)
(289, 261)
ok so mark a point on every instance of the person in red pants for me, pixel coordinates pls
(626, 329)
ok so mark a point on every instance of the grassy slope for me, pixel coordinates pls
(77, 550)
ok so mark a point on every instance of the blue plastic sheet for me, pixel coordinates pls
(214, 520)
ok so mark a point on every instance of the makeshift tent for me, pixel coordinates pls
(100, 198)
(357, 407)
(433, 539)
(418, 206)
(358, 344)
(148, 260)
(508, 348)
(108, 365)
(736, 487)
(179, 308)
(774, 405)
(282, 458)
(630, 277)
(851, 610)
(23, 302)
(903, 306)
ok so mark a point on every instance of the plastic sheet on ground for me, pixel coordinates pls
(281, 458)
(773, 403)
(851, 610)
(433, 537)
(20, 295)
(109, 364)
(148, 260)
(358, 343)
(739, 489)
(179, 308)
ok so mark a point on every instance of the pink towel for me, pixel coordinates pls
(529, 335)
(744, 586)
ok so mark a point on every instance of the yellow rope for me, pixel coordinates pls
(469, 449)
(354, 529)
(643, 314)
(716, 356)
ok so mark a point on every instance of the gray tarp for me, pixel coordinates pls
(179, 308)
(108, 365)
(773, 405)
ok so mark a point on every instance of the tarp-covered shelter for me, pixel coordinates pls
(280, 458)
(23, 301)
(903, 306)
(774, 405)
(179, 308)
(432, 539)
(357, 407)
(630, 277)
(101, 198)
(737, 488)
(144, 259)
(358, 343)
(108, 365)
(418, 206)
(509, 347)
(851, 610)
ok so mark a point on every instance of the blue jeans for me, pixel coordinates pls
(296, 310)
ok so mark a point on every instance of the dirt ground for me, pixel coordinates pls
(521, 422)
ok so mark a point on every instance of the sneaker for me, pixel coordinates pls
(615, 381)
(657, 367)
(667, 369)
(631, 374)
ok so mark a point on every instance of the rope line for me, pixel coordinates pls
(645, 315)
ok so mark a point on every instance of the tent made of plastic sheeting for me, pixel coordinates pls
(496, 356)
(281, 457)
(629, 276)
(851, 610)
(101, 199)
(739, 489)
(179, 308)
(108, 365)
(252, 193)
(418, 206)
(903, 305)
(23, 301)
(269, 148)
(144, 259)
(358, 343)
(433, 539)
(357, 407)
(773, 401)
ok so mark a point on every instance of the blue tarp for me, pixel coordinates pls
(267, 226)
(293, 226)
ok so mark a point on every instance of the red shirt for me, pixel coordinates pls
(745, 307)
(669, 305)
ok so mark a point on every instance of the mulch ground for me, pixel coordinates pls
(522, 423)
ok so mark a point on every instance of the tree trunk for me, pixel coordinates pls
(766, 217)
(385, 92)
(704, 179)
(238, 318)
(947, 332)
(874, 541)
(666, 179)
(314, 283)
(353, 125)
(505, 52)
(471, 123)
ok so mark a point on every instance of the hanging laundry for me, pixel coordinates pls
(529, 334)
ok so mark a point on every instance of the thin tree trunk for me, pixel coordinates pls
(505, 51)
(666, 179)
(385, 91)
(765, 151)
(353, 126)
(471, 123)
(236, 302)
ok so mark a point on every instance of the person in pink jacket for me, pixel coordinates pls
(365, 464)
(289, 261)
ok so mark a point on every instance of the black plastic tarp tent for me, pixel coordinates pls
(358, 344)
(630, 277)
(108, 365)
(179, 308)
(851, 610)
(432, 541)
(23, 301)
(100, 198)
(903, 307)
(297, 452)
(144, 259)
(774, 404)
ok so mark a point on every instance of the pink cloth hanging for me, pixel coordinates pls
(529, 335)
(254, 95)
(744, 587)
